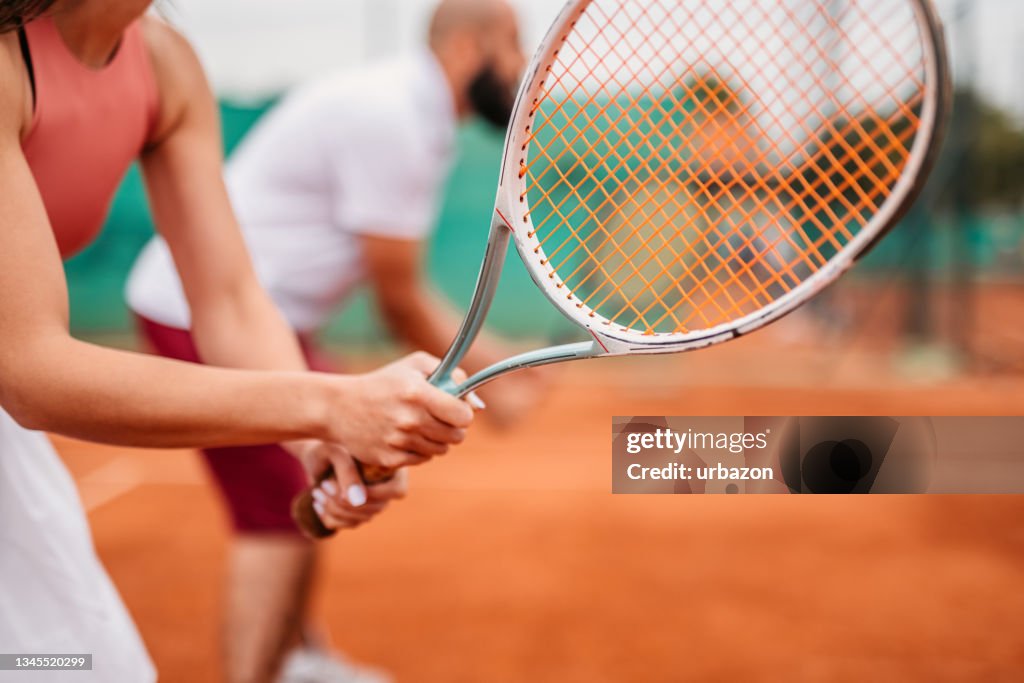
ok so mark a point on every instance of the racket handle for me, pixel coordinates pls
(305, 515)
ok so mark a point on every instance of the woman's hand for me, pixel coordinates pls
(343, 501)
(394, 418)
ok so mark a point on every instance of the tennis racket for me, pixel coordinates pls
(679, 173)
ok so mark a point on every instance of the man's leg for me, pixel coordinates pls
(271, 564)
(269, 578)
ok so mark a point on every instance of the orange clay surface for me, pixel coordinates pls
(510, 561)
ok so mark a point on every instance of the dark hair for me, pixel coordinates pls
(14, 13)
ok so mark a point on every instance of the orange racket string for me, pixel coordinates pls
(776, 279)
(734, 181)
(596, 188)
(688, 200)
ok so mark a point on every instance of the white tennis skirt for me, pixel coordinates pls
(55, 596)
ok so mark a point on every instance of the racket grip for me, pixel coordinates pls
(305, 515)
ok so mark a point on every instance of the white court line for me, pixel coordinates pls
(108, 483)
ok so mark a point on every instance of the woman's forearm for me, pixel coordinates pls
(74, 388)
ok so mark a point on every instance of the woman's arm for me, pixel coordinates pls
(51, 381)
(48, 380)
(234, 322)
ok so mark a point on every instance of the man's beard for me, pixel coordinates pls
(492, 99)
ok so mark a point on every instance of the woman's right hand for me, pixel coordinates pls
(393, 417)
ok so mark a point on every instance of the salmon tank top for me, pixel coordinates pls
(88, 126)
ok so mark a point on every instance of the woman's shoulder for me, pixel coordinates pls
(169, 51)
(179, 77)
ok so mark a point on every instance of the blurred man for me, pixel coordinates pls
(336, 187)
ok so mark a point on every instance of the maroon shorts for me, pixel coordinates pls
(258, 482)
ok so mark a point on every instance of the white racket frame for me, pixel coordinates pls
(512, 223)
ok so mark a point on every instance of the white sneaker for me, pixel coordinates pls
(310, 665)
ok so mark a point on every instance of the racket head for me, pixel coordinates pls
(678, 173)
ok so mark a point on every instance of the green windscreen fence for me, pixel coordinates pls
(96, 277)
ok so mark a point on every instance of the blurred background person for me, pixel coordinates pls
(339, 187)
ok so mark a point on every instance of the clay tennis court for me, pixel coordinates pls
(511, 561)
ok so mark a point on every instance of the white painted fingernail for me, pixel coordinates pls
(319, 508)
(319, 496)
(330, 487)
(356, 495)
(475, 401)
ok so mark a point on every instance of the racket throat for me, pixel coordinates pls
(524, 361)
(486, 287)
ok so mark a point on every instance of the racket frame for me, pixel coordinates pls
(512, 224)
